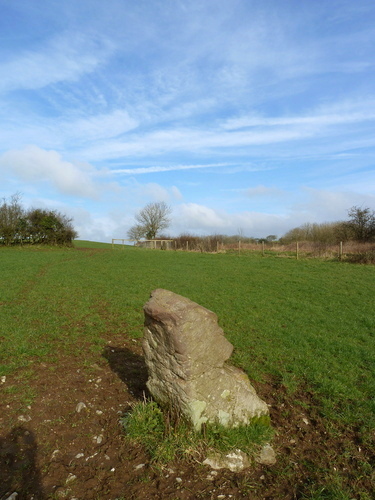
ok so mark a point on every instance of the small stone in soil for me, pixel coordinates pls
(22, 418)
(13, 496)
(70, 478)
(80, 406)
(140, 466)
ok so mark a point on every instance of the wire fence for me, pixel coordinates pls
(345, 251)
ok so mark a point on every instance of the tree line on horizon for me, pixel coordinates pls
(34, 226)
(43, 226)
(360, 226)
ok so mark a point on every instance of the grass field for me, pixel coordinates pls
(306, 326)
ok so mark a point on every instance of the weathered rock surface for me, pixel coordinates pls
(266, 456)
(186, 352)
(236, 461)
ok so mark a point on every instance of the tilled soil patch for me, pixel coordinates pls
(68, 441)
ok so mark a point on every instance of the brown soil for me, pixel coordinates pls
(48, 449)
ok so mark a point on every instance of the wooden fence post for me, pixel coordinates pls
(297, 250)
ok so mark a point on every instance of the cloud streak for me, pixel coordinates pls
(244, 132)
(169, 168)
(66, 57)
(318, 120)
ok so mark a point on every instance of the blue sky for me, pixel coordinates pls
(244, 116)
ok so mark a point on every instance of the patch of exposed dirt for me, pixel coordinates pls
(67, 442)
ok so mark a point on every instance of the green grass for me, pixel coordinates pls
(304, 322)
(166, 440)
(308, 324)
(93, 244)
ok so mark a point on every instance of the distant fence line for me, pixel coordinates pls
(295, 249)
(122, 241)
(156, 244)
(162, 244)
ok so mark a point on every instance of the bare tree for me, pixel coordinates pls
(137, 232)
(240, 233)
(11, 217)
(154, 217)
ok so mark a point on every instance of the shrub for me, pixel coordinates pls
(35, 226)
(367, 257)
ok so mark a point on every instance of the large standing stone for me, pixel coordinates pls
(185, 352)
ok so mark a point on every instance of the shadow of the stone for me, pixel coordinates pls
(18, 470)
(130, 368)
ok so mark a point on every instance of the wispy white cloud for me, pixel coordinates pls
(336, 114)
(156, 192)
(176, 193)
(190, 140)
(98, 227)
(202, 220)
(35, 165)
(241, 133)
(69, 132)
(98, 127)
(169, 168)
(262, 191)
(321, 205)
(118, 135)
(192, 215)
(64, 58)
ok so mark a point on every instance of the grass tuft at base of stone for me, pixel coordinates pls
(166, 439)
